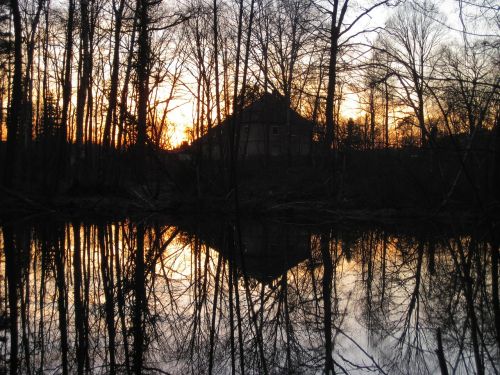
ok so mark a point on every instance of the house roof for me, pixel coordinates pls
(270, 108)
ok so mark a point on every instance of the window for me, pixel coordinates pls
(275, 130)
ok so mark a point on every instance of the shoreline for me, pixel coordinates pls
(305, 211)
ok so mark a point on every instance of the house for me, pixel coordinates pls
(266, 127)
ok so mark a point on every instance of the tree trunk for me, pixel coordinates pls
(142, 80)
(495, 175)
(68, 57)
(113, 92)
(233, 150)
(126, 81)
(332, 81)
(85, 63)
(386, 119)
(372, 118)
(336, 23)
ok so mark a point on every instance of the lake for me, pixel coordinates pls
(200, 296)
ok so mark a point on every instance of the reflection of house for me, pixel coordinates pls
(267, 128)
(268, 249)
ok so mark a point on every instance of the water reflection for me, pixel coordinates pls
(255, 298)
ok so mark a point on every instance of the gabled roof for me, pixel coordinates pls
(269, 108)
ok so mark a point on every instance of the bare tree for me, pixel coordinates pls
(411, 38)
(469, 85)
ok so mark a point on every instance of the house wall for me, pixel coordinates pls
(257, 137)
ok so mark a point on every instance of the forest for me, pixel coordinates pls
(108, 98)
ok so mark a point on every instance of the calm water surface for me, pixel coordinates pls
(150, 297)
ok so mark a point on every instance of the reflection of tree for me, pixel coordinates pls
(62, 295)
(150, 298)
(13, 276)
(327, 301)
(107, 275)
(140, 301)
